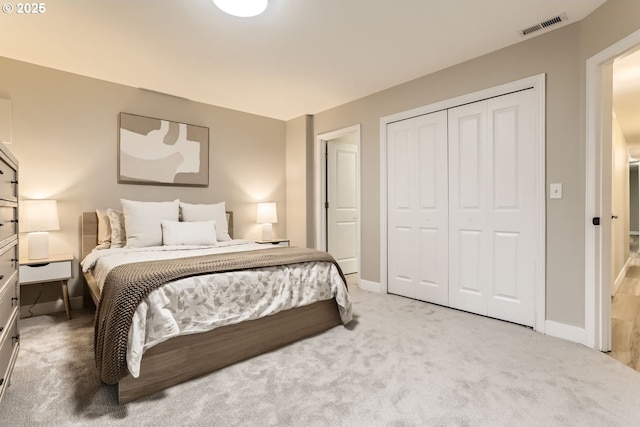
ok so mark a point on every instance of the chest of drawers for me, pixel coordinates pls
(9, 284)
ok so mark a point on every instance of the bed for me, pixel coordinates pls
(183, 357)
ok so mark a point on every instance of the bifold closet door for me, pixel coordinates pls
(492, 194)
(417, 208)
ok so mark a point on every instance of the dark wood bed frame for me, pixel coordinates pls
(189, 356)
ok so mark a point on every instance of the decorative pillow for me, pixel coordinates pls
(188, 233)
(104, 229)
(142, 221)
(116, 223)
(216, 212)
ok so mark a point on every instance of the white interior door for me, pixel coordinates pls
(492, 190)
(417, 208)
(469, 259)
(342, 198)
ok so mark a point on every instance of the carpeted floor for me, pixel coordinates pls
(401, 363)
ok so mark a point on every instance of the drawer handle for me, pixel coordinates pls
(1, 276)
(1, 328)
(1, 381)
(16, 338)
(1, 172)
(42, 264)
(14, 299)
(13, 182)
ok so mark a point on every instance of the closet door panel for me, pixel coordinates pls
(402, 207)
(468, 270)
(511, 216)
(433, 215)
(418, 205)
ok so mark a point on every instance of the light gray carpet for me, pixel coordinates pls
(404, 363)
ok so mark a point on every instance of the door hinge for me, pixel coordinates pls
(326, 205)
(595, 220)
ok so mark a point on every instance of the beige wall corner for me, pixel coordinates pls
(299, 181)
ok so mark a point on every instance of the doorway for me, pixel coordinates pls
(599, 264)
(387, 246)
(461, 207)
(338, 196)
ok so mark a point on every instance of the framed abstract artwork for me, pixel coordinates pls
(162, 152)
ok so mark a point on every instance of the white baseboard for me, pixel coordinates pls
(49, 307)
(369, 286)
(566, 332)
(621, 276)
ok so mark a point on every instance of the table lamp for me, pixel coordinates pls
(267, 215)
(38, 217)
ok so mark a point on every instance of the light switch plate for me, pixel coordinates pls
(555, 191)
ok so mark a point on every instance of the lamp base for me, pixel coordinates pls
(267, 233)
(38, 245)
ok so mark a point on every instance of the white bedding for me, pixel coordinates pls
(201, 303)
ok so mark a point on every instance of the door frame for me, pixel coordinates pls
(597, 263)
(321, 187)
(537, 83)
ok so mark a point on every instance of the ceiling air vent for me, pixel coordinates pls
(544, 24)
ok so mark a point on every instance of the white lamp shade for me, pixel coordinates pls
(38, 244)
(38, 215)
(267, 213)
(242, 8)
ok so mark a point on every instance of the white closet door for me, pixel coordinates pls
(492, 178)
(417, 208)
(511, 216)
(469, 259)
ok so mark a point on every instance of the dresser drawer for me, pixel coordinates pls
(8, 181)
(8, 300)
(8, 221)
(45, 272)
(8, 261)
(9, 346)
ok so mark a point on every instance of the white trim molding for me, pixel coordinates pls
(536, 83)
(366, 285)
(621, 276)
(566, 332)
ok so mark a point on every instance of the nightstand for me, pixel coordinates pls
(52, 269)
(277, 242)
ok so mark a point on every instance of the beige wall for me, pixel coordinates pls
(561, 55)
(619, 202)
(299, 142)
(65, 138)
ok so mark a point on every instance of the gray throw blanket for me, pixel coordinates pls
(127, 285)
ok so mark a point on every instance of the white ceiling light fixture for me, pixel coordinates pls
(242, 8)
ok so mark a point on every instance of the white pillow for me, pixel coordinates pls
(116, 223)
(216, 212)
(188, 233)
(142, 221)
(104, 229)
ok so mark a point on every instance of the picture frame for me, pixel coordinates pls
(162, 152)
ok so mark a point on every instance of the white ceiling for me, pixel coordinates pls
(299, 57)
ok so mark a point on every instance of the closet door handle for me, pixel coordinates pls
(614, 216)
